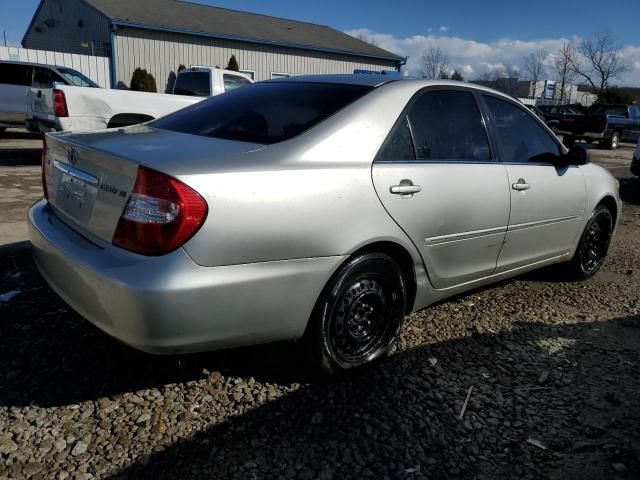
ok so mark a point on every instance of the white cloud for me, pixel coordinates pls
(444, 28)
(474, 58)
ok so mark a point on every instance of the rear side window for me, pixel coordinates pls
(265, 113)
(195, 84)
(76, 78)
(399, 145)
(447, 125)
(231, 82)
(520, 138)
(15, 74)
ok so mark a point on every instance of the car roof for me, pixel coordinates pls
(376, 80)
(29, 64)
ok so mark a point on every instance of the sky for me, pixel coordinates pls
(476, 35)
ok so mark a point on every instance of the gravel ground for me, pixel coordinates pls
(551, 368)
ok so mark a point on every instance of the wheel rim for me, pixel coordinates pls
(614, 141)
(595, 245)
(360, 323)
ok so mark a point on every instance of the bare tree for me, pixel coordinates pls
(369, 40)
(600, 61)
(534, 67)
(563, 63)
(435, 64)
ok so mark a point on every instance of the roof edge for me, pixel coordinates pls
(33, 19)
(392, 57)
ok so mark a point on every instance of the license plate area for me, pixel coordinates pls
(76, 192)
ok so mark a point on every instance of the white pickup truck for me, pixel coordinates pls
(56, 107)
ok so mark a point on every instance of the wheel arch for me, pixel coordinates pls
(126, 119)
(404, 259)
(610, 202)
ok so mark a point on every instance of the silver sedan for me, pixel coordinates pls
(316, 208)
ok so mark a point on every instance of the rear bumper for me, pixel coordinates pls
(169, 304)
(51, 123)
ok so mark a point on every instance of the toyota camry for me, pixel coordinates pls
(322, 208)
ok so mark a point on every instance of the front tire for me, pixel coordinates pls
(358, 316)
(593, 247)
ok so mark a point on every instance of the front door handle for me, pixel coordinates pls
(521, 185)
(406, 189)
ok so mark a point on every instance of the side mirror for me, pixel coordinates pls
(577, 155)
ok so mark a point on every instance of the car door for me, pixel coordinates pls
(15, 80)
(547, 200)
(437, 178)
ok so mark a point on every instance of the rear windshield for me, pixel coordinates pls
(266, 113)
(195, 84)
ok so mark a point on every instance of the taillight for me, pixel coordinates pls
(161, 215)
(44, 166)
(59, 104)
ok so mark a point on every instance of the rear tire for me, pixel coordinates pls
(568, 141)
(593, 247)
(2, 130)
(358, 316)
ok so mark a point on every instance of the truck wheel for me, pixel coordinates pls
(2, 129)
(568, 141)
(613, 142)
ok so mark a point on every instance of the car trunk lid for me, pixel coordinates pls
(90, 176)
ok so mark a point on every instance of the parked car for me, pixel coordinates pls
(16, 80)
(324, 208)
(536, 111)
(208, 81)
(635, 161)
(552, 114)
(608, 124)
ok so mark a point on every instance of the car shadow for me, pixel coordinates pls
(18, 134)
(397, 420)
(20, 157)
(401, 419)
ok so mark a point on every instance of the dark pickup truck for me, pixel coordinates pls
(607, 124)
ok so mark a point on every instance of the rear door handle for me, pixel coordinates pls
(521, 185)
(406, 187)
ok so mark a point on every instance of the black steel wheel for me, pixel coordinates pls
(594, 245)
(358, 315)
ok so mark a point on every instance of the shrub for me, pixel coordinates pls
(143, 81)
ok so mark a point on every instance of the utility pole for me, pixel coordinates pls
(4, 33)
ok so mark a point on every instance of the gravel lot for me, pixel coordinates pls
(553, 366)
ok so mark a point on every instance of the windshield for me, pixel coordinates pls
(76, 78)
(265, 113)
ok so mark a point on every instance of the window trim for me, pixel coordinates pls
(493, 160)
(493, 128)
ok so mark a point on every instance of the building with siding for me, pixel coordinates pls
(161, 35)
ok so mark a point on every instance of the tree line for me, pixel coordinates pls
(594, 62)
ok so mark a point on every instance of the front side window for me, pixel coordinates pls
(520, 138)
(12, 74)
(194, 84)
(231, 82)
(275, 75)
(266, 113)
(447, 125)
